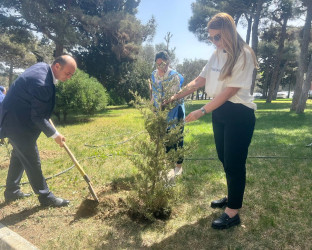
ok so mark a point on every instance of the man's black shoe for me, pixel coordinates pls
(219, 203)
(15, 196)
(54, 202)
(224, 221)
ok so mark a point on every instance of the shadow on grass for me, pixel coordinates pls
(72, 120)
(12, 219)
(199, 235)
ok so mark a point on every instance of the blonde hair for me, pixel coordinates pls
(232, 41)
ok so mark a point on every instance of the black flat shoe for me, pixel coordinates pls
(219, 203)
(225, 222)
(15, 196)
(54, 202)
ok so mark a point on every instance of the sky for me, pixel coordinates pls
(173, 16)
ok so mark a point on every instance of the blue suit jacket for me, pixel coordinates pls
(28, 104)
(1, 97)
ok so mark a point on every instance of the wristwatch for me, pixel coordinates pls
(203, 110)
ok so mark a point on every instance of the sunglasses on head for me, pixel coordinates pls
(215, 38)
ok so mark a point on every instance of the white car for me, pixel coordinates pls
(282, 94)
(257, 95)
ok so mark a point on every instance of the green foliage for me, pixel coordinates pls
(81, 94)
(152, 189)
(190, 69)
(277, 190)
(267, 51)
(114, 99)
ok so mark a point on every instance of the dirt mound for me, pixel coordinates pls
(110, 204)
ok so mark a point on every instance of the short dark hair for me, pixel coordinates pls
(162, 55)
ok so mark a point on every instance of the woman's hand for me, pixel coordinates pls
(166, 102)
(193, 116)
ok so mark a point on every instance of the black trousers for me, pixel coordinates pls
(233, 126)
(25, 156)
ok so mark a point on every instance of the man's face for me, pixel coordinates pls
(65, 72)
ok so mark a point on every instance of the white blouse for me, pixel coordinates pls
(241, 77)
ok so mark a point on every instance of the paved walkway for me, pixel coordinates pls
(10, 240)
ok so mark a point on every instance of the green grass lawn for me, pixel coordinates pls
(277, 205)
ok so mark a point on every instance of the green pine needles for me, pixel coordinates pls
(153, 190)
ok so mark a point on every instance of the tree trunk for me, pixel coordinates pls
(11, 74)
(303, 58)
(279, 80)
(305, 90)
(255, 41)
(278, 58)
(267, 74)
(59, 47)
(249, 21)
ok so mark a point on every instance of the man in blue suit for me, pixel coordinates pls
(26, 110)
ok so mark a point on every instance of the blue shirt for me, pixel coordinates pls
(158, 87)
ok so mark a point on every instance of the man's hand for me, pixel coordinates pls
(60, 139)
(193, 116)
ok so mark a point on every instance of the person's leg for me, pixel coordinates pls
(239, 124)
(28, 156)
(14, 176)
(218, 132)
(237, 139)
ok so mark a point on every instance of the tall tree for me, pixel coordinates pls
(267, 53)
(15, 52)
(190, 69)
(281, 15)
(303, 59)
(114, 49)
(66, 23)
(305, 89)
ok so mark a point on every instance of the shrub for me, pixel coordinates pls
(152, 191)
(81, 94)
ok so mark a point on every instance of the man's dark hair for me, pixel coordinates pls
(162, 55)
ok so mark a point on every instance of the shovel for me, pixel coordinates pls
(83, 173)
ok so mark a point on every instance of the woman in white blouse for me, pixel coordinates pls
(227, 78)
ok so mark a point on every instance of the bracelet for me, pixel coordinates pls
(203, 110)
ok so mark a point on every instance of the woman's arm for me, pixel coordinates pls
(226, 94)
(189, 88)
